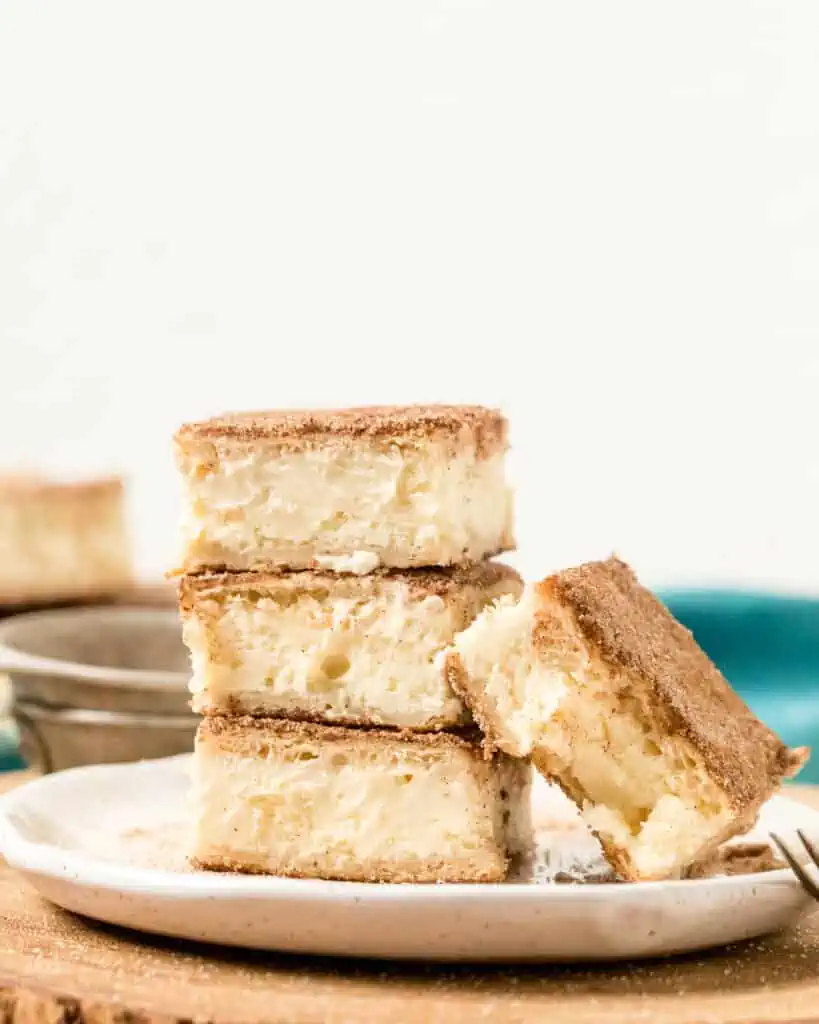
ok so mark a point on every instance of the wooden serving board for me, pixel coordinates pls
(56, 968)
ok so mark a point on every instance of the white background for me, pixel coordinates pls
(602, 216)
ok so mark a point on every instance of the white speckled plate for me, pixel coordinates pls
(109, 842)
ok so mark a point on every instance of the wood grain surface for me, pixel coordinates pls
(55, 967)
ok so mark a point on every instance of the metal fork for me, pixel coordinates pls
(807, 883)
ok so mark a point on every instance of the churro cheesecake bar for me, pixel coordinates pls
(591, 677)
(345, 490)
(325, 647)
(290, 798)
(62, 541)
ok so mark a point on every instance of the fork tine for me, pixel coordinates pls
(805, 880)
(812, 851)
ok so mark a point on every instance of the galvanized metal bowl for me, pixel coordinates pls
(98, 684)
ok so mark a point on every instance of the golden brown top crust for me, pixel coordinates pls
(633, 631)
(474, 424)
(25, 485)
(248, 732)
(440, 582)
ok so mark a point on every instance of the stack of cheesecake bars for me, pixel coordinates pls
(375, 689)
(351, 548)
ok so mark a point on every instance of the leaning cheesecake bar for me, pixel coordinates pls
(591, 677)
(354, 650)
(62, 541)
(344, 490)
(292, 798)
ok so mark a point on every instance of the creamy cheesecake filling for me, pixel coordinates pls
(349, 507)
(345, 809)
(331, 649)
(497, 653)
(642, 791)
(338, 657)
(359, 563)
(323, 806)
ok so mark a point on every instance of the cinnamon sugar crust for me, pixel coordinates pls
(630, 629)
(250, 735)
(489, 723)
(421, 582)
(237, 707)
(476, 425)
(219, 567)
(381, 872)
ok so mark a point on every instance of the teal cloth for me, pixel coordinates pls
(10, 761)
(767, 645)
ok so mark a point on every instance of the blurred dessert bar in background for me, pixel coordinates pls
(62, 542)
(348, 490)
